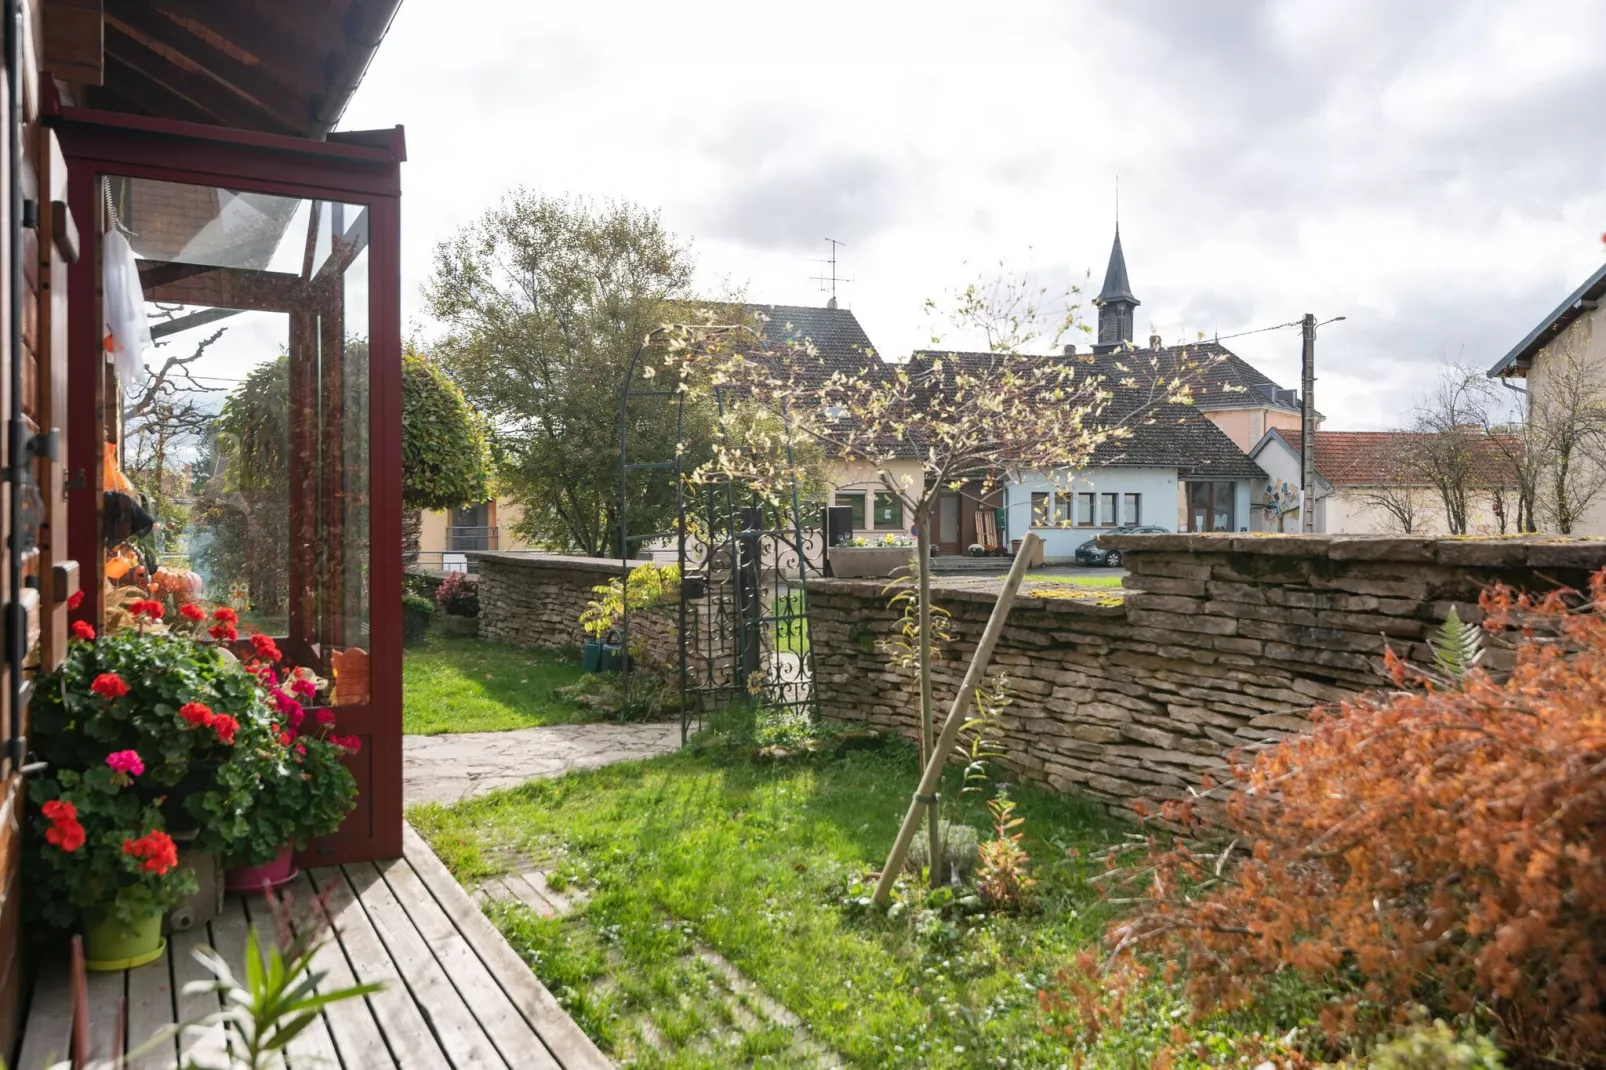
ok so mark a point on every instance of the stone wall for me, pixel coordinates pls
(1219, 642)
(535, 600)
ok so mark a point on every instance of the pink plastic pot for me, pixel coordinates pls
(249, 880)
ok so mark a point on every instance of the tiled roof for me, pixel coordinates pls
(1164, 436)
(1225, 380)
(835, 332)
(1367, 458)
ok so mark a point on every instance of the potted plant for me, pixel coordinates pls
(646, 587)
(102, 857)
(304, 788)
(857, 556)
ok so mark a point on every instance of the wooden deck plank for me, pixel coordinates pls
(405, 1031)
(311, 1047)
(562, 1037)
(151, 1009)
(48, 1036)
(460, 1034)
(229, 934)
(514, 1038)
(106, 990)
(205, 1045)
(351, 1024)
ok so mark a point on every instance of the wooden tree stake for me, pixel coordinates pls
(956, 719)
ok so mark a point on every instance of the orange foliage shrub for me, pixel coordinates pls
(1440, 846)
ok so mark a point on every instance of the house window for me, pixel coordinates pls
(856, 503)
(1132, 509)
(1084, 510)
(888, 511)
(1040, 509)
(1107, 515)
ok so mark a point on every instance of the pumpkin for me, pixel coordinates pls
(182, 583)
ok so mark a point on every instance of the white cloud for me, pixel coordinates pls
(1437, 174)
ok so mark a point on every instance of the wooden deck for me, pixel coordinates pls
(456, 994)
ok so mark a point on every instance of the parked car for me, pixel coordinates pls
(1091, 553)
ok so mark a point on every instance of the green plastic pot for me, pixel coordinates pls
(111, 945)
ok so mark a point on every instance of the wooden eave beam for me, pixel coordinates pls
(132, 87)
(298, 66)
(200, 95)
(212, 68)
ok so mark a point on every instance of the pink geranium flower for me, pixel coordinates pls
(125, 761)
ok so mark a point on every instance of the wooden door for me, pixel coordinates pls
(950, 531)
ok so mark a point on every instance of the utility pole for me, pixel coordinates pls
(1307, 427)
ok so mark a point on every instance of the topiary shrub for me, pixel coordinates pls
(444, 458)
(1435, 846)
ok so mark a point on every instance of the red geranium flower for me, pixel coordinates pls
(75, 600)
(303, 687)
(265, 647)
(348, 743)
(325, 717)
(64, 832)
(146, 608)
(225, 726)
(196, 713)
(82, 629)
(109, 685)
(155, 851)
(223, 633)
(226, 615)
(191, 611)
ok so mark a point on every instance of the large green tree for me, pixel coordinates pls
(545, 300)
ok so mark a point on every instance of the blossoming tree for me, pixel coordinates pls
(979, 418)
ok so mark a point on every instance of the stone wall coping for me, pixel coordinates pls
(1055, 602)
(1514, 551)
(566, 562)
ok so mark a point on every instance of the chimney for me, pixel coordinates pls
(1070, 349)
(831, 303)
(1154, 341)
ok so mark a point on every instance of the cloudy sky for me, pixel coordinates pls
(1434, 172)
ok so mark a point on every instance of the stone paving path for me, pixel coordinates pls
(447, 768)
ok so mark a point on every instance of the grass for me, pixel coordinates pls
(1092, 582)
(470, 685)
(763, 863)
(791, 636)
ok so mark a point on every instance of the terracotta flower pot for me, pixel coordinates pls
(249, 880)
(111, 945)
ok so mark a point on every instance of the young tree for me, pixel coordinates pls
(979, 417)
(546, 300)
(1397, 500)
(1448, 452)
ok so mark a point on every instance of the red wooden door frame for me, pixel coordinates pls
(109, 143)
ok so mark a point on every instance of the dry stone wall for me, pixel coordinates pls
(535, 600)
(1221, 642)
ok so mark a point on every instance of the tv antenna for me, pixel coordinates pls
(828, 281)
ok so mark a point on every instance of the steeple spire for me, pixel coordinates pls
(1115, 301)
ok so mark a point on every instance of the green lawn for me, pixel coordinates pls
(1095, 582)
(792, 635)
(470, 685)
(763, 863)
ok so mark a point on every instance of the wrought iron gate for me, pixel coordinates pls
(745, 562)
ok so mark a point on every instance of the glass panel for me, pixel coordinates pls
(1224, 513)
(1039, 509)
(856, 503)
(888, 511)
(1107, 510)
(1084, 510)
(244, 427)
(1132, 513)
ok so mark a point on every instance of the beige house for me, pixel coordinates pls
(1565, 355)
(1353, 495)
